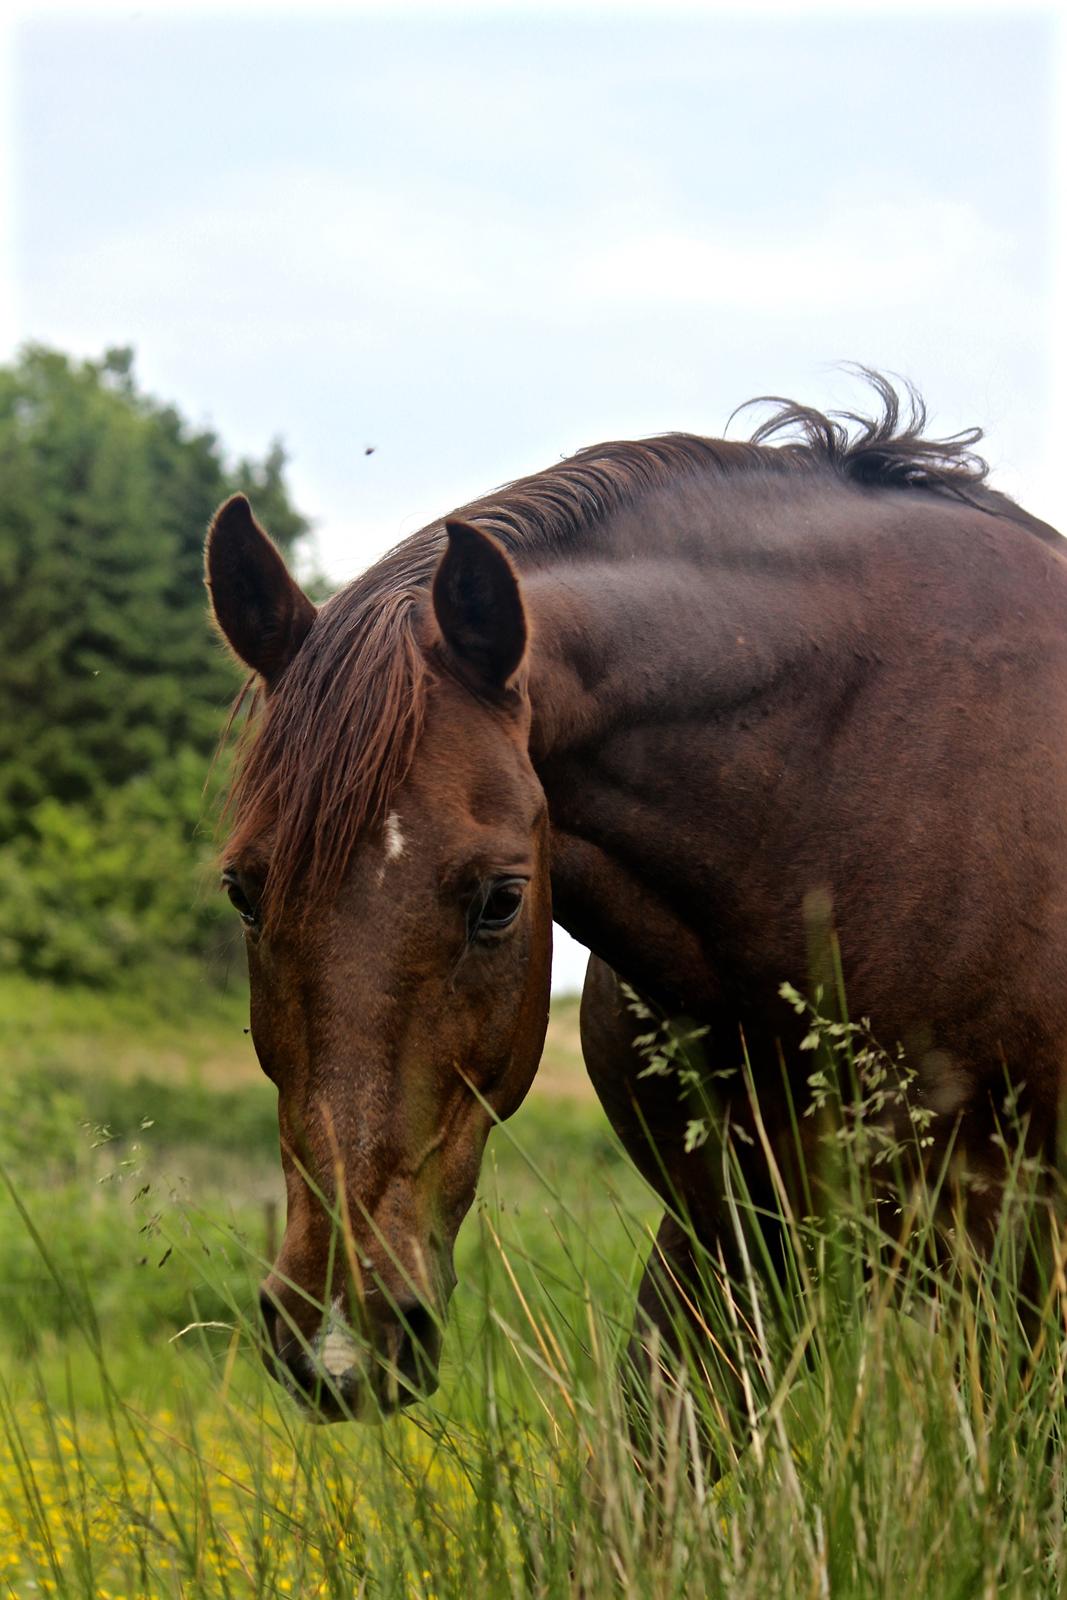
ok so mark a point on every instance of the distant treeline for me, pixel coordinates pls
(113, 687)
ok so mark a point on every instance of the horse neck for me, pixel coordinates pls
(622, 645)
(660, 694)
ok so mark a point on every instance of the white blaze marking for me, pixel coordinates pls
(394, 838)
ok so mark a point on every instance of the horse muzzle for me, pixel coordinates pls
(338, 1373)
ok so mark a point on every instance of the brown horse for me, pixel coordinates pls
(675, 694)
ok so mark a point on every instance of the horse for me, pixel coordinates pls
(672, 693)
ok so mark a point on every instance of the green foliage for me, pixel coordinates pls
(91, 893)
(113, 687)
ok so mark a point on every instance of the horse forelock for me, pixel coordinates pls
(325, 753)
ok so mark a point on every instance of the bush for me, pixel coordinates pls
(93, 894)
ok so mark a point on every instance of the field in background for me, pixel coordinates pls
(141, 1140)
(143, 1452)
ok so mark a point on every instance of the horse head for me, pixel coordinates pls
(398, 936)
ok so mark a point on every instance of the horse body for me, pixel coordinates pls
(707, 707)
(855, 725)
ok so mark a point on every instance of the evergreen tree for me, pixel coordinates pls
(113, 685)
(108, 663)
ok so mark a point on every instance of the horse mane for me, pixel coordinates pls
(321, 757)
(890, 451)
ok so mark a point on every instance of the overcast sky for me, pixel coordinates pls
(478, 244)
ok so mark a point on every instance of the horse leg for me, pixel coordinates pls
(694, 1364)
(693, 1354)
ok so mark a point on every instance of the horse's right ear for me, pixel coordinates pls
(262, 613)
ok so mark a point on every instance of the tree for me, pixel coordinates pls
(108, 663)
(111, 677)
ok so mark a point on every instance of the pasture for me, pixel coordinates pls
(767, 1297)
(903, 1443)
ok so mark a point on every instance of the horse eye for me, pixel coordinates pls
(240, 899)
(497, 908)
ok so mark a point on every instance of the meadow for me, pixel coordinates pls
(903, 1426)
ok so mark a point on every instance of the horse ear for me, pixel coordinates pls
(478, 606)
(262, 613)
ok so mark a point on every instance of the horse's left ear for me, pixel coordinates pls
(478, 606)
(263, 614)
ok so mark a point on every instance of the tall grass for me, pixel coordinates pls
(886, 1416)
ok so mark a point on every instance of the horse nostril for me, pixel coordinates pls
(420, 1347)
(420, 1323)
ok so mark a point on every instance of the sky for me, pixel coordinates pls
(479, 240)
